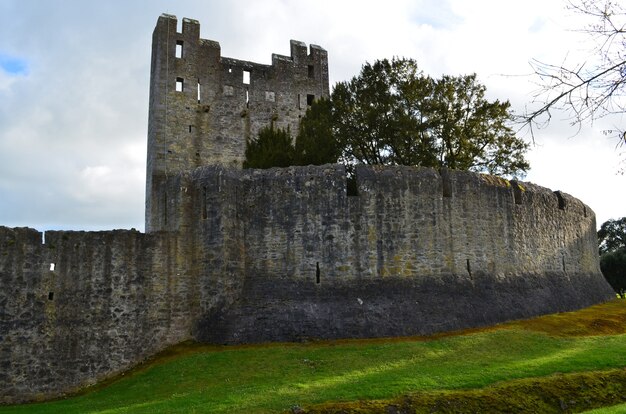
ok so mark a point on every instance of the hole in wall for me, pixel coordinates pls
(352, 189)
(469, 269)
(246, 77)
(179, 49)
(247, 98)
(190, 127)
(517, 192)
(52, 267)
(199, 91)
(180, 84)
(317, 272)
(179, 26)
(561, 200)
(310, 99)
(50, 295)
(446, 185)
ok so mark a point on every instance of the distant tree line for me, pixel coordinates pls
(393, 114)
(612, 248)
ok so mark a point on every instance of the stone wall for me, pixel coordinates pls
(287, 255)
(415, 252)
(84, 306)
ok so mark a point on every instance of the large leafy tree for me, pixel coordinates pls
(612, 243)
(393, 114)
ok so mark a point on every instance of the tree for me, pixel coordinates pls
(594, 88)
(612, 235)
(272, 148)
(612, 244)
(392, 114)
(316, 143)
(613, 266)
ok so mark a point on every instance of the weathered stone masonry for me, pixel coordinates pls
(237, 256)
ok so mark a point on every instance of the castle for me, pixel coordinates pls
(235, 256)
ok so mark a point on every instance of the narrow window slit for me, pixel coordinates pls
(469, 269)
(317, 272)
(50, 295)
(205, 214)
(165, 209)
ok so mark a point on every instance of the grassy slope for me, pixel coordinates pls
(271, 378)
(621, 408)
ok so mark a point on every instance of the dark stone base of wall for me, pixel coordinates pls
(289, 310)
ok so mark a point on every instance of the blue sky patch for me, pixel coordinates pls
(13, 65)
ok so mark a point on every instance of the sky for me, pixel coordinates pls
(74, 83)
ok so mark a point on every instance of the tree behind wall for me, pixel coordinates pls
(612, 247)
(393, 114)
(316, 143)
(272, 148)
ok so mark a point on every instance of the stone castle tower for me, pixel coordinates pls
(203, 107)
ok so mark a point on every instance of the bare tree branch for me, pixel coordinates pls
(593, 89)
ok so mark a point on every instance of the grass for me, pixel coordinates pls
(616, 409)
(583, 350)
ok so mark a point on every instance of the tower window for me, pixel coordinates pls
(179, 84)
(179, 49)
(246, 77)
(310, 99)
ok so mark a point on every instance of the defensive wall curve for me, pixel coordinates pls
(288, 254)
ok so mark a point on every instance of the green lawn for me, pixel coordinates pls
(616, 409)
(272, 378)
